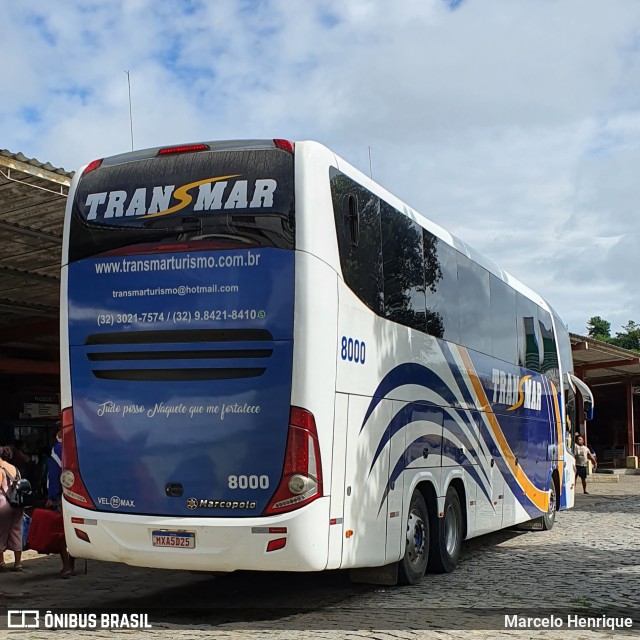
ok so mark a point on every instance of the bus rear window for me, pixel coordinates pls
(208, 200)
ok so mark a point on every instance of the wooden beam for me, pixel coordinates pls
(32, 309)
(630, 439)
(607, 364)
(13, 366)
(580, 346)
(30, 275)
(32, 233)
(604, 381)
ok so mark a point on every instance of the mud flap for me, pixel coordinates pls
(531, 525)
(386, 575)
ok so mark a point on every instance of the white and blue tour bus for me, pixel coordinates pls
(271, 363)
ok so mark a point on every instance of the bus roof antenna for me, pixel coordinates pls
(130, 110)
(370, 170)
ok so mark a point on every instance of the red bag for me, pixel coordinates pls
(46, 532)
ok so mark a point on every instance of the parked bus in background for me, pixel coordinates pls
(271, 363)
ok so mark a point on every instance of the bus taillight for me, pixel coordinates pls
(285, 145)
(301, 481)
(183, 148)
(73, 488)
(91, 166)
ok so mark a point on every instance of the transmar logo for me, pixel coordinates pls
(515, 391)
(213, 194)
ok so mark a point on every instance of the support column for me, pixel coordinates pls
(630, 435)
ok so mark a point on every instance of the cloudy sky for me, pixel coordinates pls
(515, 124)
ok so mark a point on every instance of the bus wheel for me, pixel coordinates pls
(447, 539)
(416, 553)
(549, 518)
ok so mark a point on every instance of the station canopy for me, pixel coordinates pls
(33, 196)
(598, 362)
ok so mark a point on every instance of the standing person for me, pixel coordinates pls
(54, 500)
(43, 471)
(20, 459)
(583, 455)
(10, 517)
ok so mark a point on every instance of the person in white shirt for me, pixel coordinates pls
(583, 455)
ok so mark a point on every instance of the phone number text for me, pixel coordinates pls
(111, 319)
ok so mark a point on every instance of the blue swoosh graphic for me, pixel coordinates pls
(410, 373)
(517, 490)
(457, 375)
(420, 375)
(416, 411)
(411, 412)
(411, 453)
(414, 451)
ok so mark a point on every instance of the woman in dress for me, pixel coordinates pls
(10, 517)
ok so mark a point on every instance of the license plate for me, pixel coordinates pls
(175, 539)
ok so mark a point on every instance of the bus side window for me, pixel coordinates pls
(441, 288)
(403, 268)
(550, 365)
(504, 324)
(474, 305)
(529, 338)
(357, 217)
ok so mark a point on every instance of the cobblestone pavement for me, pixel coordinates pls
(589, 560)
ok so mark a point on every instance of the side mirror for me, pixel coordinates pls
(587, 405)
(585, 394)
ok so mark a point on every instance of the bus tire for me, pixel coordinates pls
(446, 541)
(412, 566)
(549, 518)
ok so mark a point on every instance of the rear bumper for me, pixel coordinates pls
(221, 544)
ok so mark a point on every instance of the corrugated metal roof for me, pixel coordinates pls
(33, 197)
(47, 166)
(599, 362)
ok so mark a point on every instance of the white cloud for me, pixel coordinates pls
(516, 125)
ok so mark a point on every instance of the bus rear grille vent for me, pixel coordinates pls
(205, 354)
(180, 336)
(144, 358)
(177, 375)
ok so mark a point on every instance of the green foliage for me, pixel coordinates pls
(599, 328)
(628, 338)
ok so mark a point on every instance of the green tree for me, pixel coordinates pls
(629, 337)
(599, 328)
